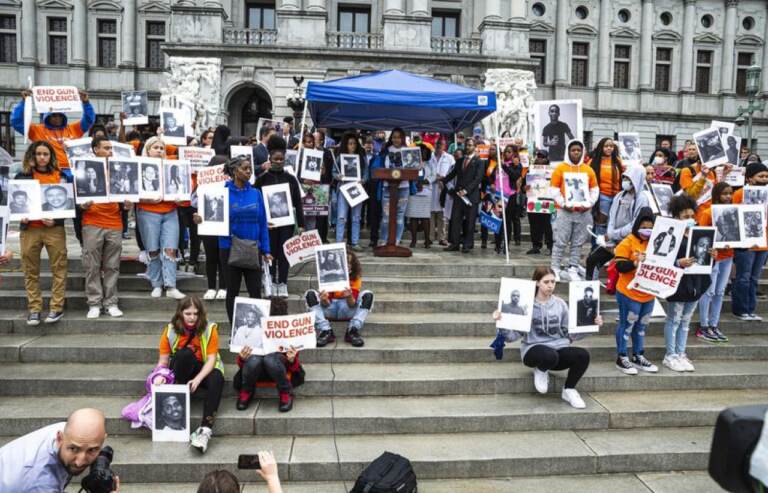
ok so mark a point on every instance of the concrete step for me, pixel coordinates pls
(357, 379)
(84, 348)
(439, 456)
(423, 414)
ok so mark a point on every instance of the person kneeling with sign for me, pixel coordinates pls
(258, 370)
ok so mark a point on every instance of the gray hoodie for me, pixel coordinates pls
(549, 326)
(626, 206)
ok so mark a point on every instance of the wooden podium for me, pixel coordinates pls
(393, 176)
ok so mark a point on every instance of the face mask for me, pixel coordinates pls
(276, 167)
(626, 185)
(658, 160)
(690, 223)
(644, 232)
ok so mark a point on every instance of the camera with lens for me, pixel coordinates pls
(100, 479)
(737, 433)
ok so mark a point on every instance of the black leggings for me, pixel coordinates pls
(597, 259)
(541, 229)
(186, 222)
(235, 276)
(573, 359)
(280, 266)
(213, 262)
(186, 366)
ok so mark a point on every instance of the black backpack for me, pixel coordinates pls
(389, 473)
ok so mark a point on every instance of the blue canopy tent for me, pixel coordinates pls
(388, 99)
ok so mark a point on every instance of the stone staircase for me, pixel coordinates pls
(425, 385)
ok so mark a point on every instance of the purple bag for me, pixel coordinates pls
(139, 413)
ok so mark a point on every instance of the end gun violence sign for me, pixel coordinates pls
(658, 280)
(57, 99)
(301, 247)
(296, 331)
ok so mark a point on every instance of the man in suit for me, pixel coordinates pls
(468, 174)
(260, 153)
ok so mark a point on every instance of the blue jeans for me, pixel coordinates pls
(160, 232)
(711, 303)
(749, 264)
(402, 203)
(342, 212)
(676, 327)
(633, 320)
(604, 205)
(338, 310)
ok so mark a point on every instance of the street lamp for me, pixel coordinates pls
(752, 88)
(296, 101)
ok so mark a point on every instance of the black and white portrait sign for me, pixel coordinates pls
(4, 220)
(213, 208)
(732, 145)
(727, 229)
(311, 165)
(665, 241)
(556, 123)
(663, 194)
(753, 233)
(177, 180)
(5, 175)
(278, 204)
(701, 240)
(136, 107)
(247, 329)
(583, 306)
(354, 193)
(122, 150)
(332, 269)
(291, 161)
(150, 178)
(725, 128)
(350, 167)
(411, 157)
(516, 304)
(576, 190)
(170, 407)
(90, 180)
(124, 179)
(24, 200)
(174, 123)
(711, 148)
(58, 201)
(78, 148)
(756, 195)
(629, 148)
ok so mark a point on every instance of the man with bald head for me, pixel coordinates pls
(47, 459)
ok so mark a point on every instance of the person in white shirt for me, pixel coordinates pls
(442, 162)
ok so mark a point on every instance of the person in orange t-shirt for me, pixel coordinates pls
(102, 246)
(635, 307)
(607, 165)
(351, 304)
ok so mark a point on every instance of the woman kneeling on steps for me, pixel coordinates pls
(548, 345)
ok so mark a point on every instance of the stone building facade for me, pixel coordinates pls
(658, 67)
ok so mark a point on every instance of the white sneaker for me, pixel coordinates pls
(282, 290)
(157, 292)
(210, 295)
(755, 317)
(93, 312)
(221, 294)
(573, 273)
(564, 276)
(685, 362)
(199, 439)
(114, 311)
(572, 397)
(557, 275)
(174, 293)
(143, 257)
(541, 380)
(673, 362)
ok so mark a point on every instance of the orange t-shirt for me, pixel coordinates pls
(610, 185)
(44, 179)
(194, 344)
(686, 176)
(557, 175)
(628, 249)
(105, 216)
(161, 208)
(354, 286)
(56, 137)
(738, 198)
(704, 218)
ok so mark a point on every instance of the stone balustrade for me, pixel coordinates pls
(355, 41)
(464, 46)
(244, 36)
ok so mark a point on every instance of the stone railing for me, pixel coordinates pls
(464, 46)
(242, 36)
(355, 41)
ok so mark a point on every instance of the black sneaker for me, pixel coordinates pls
(353, 337)
(707, 334)
(33, 319)
(624, 366)
(533, 251)
(642, 363)
(53, 317)
(719, 334)
(325, 337)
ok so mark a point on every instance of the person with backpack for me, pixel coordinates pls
(682, 304)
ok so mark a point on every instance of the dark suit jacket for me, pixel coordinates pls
(468, 179)
(260, 154)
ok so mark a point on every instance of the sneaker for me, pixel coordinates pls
(744, 316)
(33, 318)
(707, 334)
(325, 337)
(174, 293)
(572, 397)
(221, 294)
(286, 402)
(573, 273)
(199, 439)
(673, 362)
(282, 290)
(642, 363)
(143, 257)
(93, 312)
(541, 381)
(564, 276)
(243, 400)
(719, 334)
(157, 292)
(357, 248)
(623, 364)
(210, 295)
(557, 275)
(114, 311)
(533, 251)
(53, 317)
(755, 317)
(352, 336)
(685, 362)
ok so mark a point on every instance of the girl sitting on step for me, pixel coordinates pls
(548, 344)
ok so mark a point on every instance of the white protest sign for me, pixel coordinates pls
(658, 280)
(27, 118)
(296, 331)
(665, 241)
(301, 248)
(57, 99)
(198, 157)
(212, 175)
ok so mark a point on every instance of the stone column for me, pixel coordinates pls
(518, 9)
(646, 45)
(604, 45)
(687, 55)
(289, 5)
(394, 7)
(129, 34)
(561, 44)
(729, 39)
(492, 10)
(316, 5)
(765, 63)
(29, 32)
(419, 8)
(80, 33)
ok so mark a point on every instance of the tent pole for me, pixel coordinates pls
(502, 176)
